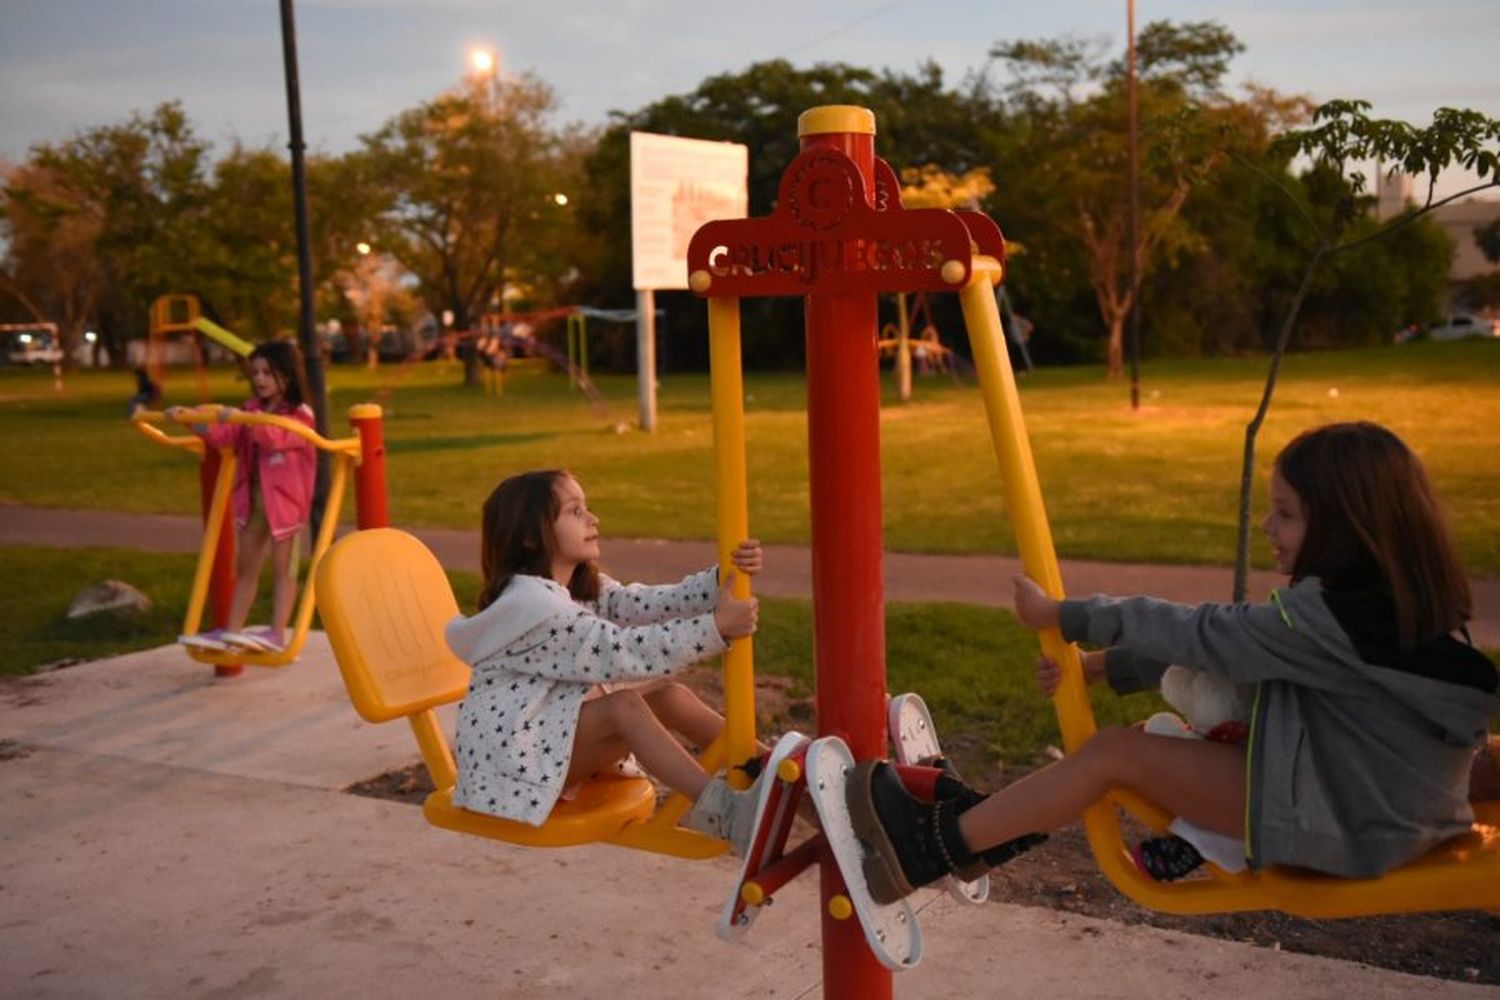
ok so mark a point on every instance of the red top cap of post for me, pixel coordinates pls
(827, 237)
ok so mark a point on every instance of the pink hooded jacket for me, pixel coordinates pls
(284, 465)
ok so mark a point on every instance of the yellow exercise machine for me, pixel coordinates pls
(215, 570)
(1462, 874)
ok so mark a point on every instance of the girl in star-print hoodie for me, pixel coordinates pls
(553, 635)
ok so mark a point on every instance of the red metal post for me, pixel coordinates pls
(843, 419)
(221, 580)
(370, 504)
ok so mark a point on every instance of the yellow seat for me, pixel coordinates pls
(384, 600)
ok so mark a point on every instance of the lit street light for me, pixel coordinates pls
(482, 61)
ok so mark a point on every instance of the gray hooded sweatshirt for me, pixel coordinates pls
(1352, 768)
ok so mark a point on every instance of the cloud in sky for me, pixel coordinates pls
(66, 65)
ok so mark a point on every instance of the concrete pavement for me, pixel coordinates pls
(163, 833)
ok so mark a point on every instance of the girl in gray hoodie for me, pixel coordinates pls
(1367, 710)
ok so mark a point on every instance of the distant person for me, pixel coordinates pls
(273, 494)
(147, 393)
(1369, 704)
(551, 639)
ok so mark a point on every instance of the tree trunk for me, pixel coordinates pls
(1115, 355)
(1247, 463)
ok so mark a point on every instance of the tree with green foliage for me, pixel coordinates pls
(464, 184)
(132, 196)
(1068, 159)
(1342, 136)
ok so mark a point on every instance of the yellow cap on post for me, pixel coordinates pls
(836, 118)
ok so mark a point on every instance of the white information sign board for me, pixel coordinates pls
(676, 185)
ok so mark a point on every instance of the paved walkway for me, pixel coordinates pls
(166, 834)
(788, 573)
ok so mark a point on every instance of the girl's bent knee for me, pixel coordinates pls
(624, 704)
(668, 693)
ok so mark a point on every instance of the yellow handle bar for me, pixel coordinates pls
(210, 414)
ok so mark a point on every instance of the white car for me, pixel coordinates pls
(1463, 325)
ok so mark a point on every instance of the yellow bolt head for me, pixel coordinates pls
(839, 907)
(699, 281)
(752, 894)
(953, 271)
(789, 771)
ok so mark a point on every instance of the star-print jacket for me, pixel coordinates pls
(536, 652)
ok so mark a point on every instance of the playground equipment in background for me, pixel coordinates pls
(839, 237)
(215, 332)
(172, 315)
(929, 352)
(214, 577)
(505, 336)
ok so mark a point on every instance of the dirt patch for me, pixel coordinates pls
(1061, 875)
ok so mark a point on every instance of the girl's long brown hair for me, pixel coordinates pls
(1373, 519)
(286, 361)
(516, 536)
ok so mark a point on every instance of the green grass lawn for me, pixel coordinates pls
(1158, 485)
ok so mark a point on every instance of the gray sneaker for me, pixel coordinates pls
(725, 813)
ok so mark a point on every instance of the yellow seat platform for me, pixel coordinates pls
(384, 600)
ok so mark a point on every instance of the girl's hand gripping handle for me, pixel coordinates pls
(733, 617)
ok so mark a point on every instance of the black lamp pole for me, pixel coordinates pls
(307, 338)
(1133, 153)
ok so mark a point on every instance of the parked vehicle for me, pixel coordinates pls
(31, 347)
(1461, 326)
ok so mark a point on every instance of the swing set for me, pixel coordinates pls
(839, 238)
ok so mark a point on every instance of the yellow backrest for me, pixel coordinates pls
(384, 600)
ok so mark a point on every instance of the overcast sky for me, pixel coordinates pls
(66, 65)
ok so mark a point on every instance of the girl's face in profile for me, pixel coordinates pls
(576, 530)
(264, 381)
(1286, 523)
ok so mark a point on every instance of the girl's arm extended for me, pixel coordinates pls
(582, 647)
(647, 604)
(1283, 639)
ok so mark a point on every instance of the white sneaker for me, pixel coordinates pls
(213, 639)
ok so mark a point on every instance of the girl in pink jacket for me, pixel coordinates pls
(272, 500)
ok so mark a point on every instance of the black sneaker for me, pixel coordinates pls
(950, 786)
(903, 847)
(1167, 859)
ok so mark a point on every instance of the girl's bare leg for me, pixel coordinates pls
(680, 709)
(622, 722)
(250, 556)
(284, 580)
(1200, 781)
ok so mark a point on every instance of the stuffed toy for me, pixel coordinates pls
(1214, 708)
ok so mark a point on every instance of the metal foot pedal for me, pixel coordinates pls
(891, 929)
(913, 740)
(775, 811)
